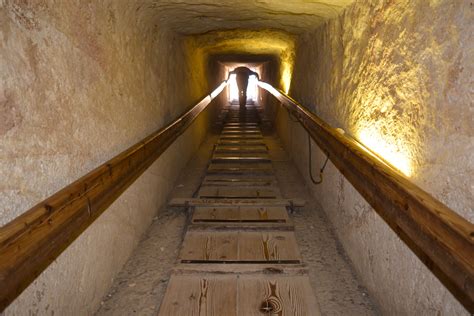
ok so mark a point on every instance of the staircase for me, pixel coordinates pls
(239, 255)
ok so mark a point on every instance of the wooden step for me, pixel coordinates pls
(240, 214)
(233, 143)
(238, 184)
(239, 295)
(236, 202)
(240, 159)
(241, 147)
(240, 154)
(241, 137)
(239, 247)
(239, 192)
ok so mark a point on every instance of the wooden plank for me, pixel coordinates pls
(239, 178)
(241, 132)
(200, 295)
(234, 143)
(237, 159)
(240, 137)
(268, 246)
(215, 213)
(276, 295)
(236, 202)
(210, 246)
(241, 149)
(211, 183)
(240, 171)
(238, 192)
(240, 167)
(240, 213)
(242, 159)
(239, 246)
(240, 154)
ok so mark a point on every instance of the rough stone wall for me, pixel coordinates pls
(402, 69)
(79, 83)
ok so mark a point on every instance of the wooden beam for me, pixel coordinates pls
(442, 239)
(236, 202)
(30, 242)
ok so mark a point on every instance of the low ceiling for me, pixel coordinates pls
(190, 17)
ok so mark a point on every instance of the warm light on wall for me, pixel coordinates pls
(286, 71)
(286, 76)
(372, 138)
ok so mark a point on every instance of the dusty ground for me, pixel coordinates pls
(140, 286)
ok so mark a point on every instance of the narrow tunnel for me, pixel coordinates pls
(363, 114)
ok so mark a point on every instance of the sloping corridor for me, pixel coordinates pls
(239, 228)
(131, 182)
(255, 260)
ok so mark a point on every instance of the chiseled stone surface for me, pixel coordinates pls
(81, 81)
(202, 16)
(404, 69)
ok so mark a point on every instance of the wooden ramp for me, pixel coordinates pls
(239, 255)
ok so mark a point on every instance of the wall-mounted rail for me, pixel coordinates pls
(442, 239)
(30, 242)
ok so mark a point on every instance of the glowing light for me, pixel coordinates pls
(373, 139)
(252, 89)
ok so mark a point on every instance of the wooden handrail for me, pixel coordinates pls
(442, 239)
(30, 242)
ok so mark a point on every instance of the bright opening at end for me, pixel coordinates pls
(252, 89)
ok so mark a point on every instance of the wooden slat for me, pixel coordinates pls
(236, 202)
(268, 246)
(240, 213)
(234, 143)
(276, 295)
(240, 137)
(239, 154)
(209, 295)
(241, 149)
(240, 183)
(234, 246)
(239, 178)
(238, 192)
(210, 246)
(240, 168)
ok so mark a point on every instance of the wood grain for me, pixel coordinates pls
(291, 296)
(239, 246)
(203, 295)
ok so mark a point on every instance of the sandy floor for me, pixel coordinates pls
(140, 287)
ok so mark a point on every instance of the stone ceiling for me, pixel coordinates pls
(189, 17)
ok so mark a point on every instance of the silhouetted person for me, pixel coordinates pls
(242, 75)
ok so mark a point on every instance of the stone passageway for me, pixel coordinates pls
(236, 244)
(114, 140)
